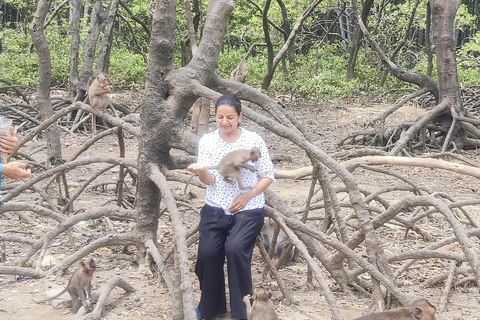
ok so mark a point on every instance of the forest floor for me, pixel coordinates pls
(329, 122)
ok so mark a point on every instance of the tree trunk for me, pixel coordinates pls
(54, 148)
(96, 18)
(443, 16)
(75, 7)
(273, 63)
(357, 41)
(104, 57)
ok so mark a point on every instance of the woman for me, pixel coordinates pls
(231, 218)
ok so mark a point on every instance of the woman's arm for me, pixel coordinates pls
(242, 199)
(203, 174)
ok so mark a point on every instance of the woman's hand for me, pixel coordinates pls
(16, 170)
(203, 174)
(8, 143)
(196, 168)
(241, 201)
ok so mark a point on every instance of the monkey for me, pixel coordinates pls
(98, 91)
(80, 279)
(418, 310)
(262, 307)
(229, 166)
(282, 243)
(98, 95)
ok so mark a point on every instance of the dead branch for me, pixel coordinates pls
(103, 292)
(421, 162)
(289, 298)
(162, 267)
(20, 271)
(180, 240)
(109, 240)
(448, 285)
(93, 213)
(329, 297)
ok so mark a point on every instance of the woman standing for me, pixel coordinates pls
(231, 218)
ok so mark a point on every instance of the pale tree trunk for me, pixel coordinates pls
(201, 107)
(357, 41)
(97, 18)
(54, 148)
(105, 49)
(75, 7)
(273, 61)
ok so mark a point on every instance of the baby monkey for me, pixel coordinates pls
(80, 280)
(229, 166)
(262, 307)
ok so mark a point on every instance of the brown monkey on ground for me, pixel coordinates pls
(80, 279)
(262, 307)
(418, 310)
(98, 95)
(229, 166)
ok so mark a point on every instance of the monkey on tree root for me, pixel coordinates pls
(80, 280)
(229, 166)
(98, 95)
(282, 244)
(262, 307)
(418, 310)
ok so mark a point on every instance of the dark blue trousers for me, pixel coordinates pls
(233, 237)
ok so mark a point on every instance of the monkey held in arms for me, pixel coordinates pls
(79, 286)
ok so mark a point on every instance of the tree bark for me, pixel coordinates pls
(54, 147)
(104, 57)
(357, 40)
(75, 7)
(443, 16)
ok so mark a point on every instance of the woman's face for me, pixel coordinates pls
(227, 118)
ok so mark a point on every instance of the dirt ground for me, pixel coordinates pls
(329, 122)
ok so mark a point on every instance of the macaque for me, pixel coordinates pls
(418, 310)
(80, 280)
(262, 307)
(98, 95)
(282, 243)
(229, 166)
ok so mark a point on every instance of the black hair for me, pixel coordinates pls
(229, 100)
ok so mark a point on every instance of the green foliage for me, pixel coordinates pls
(469, 61)
(463, 19)
(320, 68)
(18, 65)
(126, 67)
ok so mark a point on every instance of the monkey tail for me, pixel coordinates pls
(52, 297)
(188, 182)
